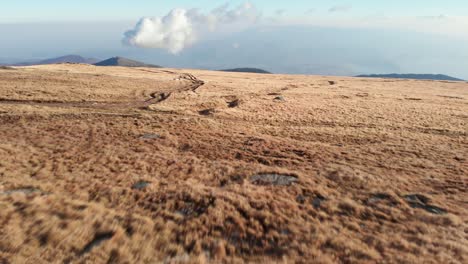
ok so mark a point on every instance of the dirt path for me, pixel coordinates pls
(156, 97)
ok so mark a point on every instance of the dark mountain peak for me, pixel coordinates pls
(124, 62)
(248, 70)
(438, 77)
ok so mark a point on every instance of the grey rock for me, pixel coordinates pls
(273, 179)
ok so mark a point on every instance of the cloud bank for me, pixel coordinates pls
(181, 28)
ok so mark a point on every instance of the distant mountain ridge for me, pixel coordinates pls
(438, 77)
(247, 70)
(62, 59)
(124, 62)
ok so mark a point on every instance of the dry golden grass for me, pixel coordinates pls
(135, 165)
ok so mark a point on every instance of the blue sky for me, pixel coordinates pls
(334, 37)
(82, 10)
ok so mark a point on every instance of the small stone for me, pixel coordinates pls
(416, 198)
(206, 112)
(140, 185)
(273, 179)
(279, 98)
(28, 190)
(381, 198)
(150, 136)
(317, 202)
(234, 103)
(300, 199)
(422, 202)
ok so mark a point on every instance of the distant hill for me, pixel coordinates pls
(63, 59)
(124, 62)
(249, 70)
(439, 77)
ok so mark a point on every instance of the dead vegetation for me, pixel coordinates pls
(220, 172)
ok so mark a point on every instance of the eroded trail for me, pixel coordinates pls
(183, 83)
(195, 83)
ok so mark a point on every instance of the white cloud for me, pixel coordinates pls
(179, 29)
(173, 32)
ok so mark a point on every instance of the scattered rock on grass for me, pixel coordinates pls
(273, 179)
(206, 112)
(150, 136)
(422, 202)
(98, 239)
(279, 98)
(317, 201)
(26, 190)
(381, 197)
(300, 199)
(140, 185)
(234, 103)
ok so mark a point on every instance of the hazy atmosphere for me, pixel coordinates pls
(306, 37)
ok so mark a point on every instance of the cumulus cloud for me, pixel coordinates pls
(173, 32)
(180, 28)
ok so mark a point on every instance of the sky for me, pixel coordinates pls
(83, 10)
(335, 37)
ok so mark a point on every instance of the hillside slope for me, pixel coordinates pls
(62, 59)
(124, 62)
(144, 165)
(247, 70)
(438, 77)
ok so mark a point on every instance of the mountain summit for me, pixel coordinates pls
(124, 62)
(69, 59)
(62, 59)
